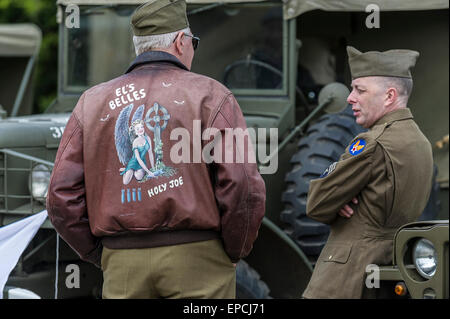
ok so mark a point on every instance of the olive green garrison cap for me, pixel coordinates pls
(396, 63)
(159, 17)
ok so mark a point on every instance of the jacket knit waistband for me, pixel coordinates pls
(157, 239)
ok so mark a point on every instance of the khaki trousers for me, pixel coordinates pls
(192, 270)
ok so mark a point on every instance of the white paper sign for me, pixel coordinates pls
(14, 238)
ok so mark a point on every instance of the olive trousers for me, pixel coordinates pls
(192, 270)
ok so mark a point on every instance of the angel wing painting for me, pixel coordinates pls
(132, 145)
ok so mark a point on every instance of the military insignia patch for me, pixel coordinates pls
(357, 147)
(329, 170)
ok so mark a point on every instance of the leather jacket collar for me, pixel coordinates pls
(155, 56)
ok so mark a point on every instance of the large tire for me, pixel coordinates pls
(248, 283)
(322, 145)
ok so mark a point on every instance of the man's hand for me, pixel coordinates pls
(347, 211)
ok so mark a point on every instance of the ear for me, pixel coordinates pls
(391, 96)
(179, 46)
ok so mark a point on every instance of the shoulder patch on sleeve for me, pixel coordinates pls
(357, 147)
(329, 170)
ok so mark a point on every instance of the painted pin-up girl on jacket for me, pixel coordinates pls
(133, 145)
(141, 145)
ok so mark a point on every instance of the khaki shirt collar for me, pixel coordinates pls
(397, 115)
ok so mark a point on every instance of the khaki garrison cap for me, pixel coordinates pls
(396, 63)
(159, 17)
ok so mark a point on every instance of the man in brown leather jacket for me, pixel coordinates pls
(381, 182)
(160, 225)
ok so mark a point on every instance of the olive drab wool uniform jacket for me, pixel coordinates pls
(389, 169)
(153, 119)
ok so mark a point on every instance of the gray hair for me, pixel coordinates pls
(159, 41)
(403, 86)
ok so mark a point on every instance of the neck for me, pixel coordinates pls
(167, 50)
(172, 51)
(397, 105)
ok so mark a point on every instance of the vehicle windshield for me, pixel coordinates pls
(241, 45)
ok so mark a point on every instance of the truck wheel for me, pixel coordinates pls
(322, 145)
(248, 283)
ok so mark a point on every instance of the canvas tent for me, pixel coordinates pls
(19, 39)
(294, 8)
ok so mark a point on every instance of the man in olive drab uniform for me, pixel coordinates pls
(381, 182)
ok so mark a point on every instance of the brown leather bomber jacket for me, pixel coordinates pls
(129, 171)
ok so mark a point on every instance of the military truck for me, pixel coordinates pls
(285, 62)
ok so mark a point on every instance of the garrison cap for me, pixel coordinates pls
(395, 63)
(159, 17)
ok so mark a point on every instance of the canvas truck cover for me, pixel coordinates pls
(19, 40)
(294, 8)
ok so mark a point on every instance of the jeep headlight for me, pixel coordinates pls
(425, 258)
(39, 180)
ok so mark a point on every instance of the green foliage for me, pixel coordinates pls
(43, 14)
